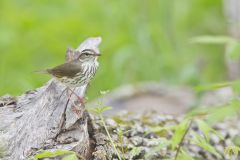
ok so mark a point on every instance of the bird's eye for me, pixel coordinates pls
(87, 52)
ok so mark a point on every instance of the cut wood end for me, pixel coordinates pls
(89, 43)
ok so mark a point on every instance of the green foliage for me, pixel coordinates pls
(68, 155)
(163, 143)
(99, 110)
(206, 129)
(184, 156)
(216, 114)
(35, 34)
(232, 45)
(180, 130)
(161, 129)
(212, 39)
(219, 113)
(200, 118)
(203, 143)
(135, 151)
(235, 85)
(120, 134)
(214, 86)
(232, 150)
(233, 49)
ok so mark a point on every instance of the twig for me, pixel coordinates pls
(181, 142)
(121, 141)
(110, 138)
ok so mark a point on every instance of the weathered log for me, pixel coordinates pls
(44, 118)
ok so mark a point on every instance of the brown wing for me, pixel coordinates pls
(66, 70)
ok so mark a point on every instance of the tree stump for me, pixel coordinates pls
(44, 119)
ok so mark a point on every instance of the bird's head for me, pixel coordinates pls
(88, 55)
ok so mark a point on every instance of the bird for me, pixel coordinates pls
(77, 72)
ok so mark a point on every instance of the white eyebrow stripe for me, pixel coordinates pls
(89, 51)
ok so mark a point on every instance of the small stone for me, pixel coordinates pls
(130, 146)
(220, 126)
(110, 122)
(219, 148)
(136, 153)
(100, 153)
(169, 117)
(150, 136)
(100, 138)
(151, 142)
(139, 128)
(163, 152)
(228, 142)
(194, 149)
(114, 137)
(233, 132)
(214, 139)
(136, 141)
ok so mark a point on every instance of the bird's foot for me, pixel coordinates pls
(76, 110)
(81, 100)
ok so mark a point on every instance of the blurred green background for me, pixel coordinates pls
(143, 40)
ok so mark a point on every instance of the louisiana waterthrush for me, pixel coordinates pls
(77, 72)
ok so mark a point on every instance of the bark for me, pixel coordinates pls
(44, 118)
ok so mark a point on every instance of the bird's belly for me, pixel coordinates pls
(80, 79)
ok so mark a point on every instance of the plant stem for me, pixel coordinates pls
(121, 141)
(110, 138)
(181, 142)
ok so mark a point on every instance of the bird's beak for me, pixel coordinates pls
(97, 54)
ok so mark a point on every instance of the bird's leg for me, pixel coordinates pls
(75, 108)
(70, 95)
